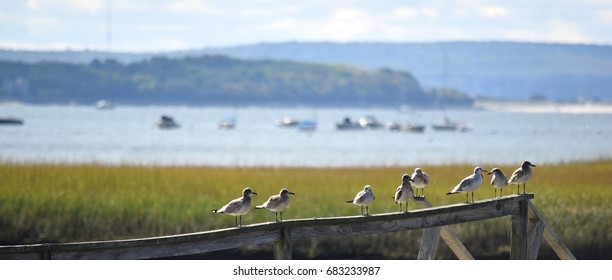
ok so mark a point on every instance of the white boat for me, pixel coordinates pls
(369, 122)
(449, 125)
(419, 128)
(104, 104)
(288, 122)
(166, 122)
(227, 123)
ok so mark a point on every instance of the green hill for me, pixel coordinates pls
(215, 80)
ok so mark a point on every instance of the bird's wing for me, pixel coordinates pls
(273, 201)
(232, 206)
(425, 178)
(463, 184)
(517, 174)
(398, 193)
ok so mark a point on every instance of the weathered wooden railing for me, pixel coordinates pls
(528, 227)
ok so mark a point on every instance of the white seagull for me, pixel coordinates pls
(420, 179)
(498, 181)
(404, 192)
(521, 175)
(364, 198)
(469, 184)
(277, 203)
(238, 206)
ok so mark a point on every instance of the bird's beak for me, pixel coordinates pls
(291, 193)
(254, 193)
(489, 173)
(533, 165)
(411, 180)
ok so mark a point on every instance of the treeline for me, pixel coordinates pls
(216, 80)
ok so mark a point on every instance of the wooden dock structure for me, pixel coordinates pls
(528, 230)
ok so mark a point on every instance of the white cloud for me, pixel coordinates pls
(85, 6)
(493, 11)
(43, 25)
(562, 31)
(347, 24)
(192, 6)
(604, 15)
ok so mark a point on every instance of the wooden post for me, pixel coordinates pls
(450, 238)
(429, 244)
(551, 236)
(283, 247)
(535, 228)
(518, 246)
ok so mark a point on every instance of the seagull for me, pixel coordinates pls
(498, 181)
(238, 206)
(404, 192)
(469, 184)
(521, 175)
(420, 179)
(277, 203)
(363, 198)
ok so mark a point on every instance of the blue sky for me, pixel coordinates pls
(153, 25)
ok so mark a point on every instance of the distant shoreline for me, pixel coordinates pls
(544, 107)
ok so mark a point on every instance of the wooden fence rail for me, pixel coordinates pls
(527, 230)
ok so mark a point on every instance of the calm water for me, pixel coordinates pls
(128, 135)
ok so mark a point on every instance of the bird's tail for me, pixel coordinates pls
(349, 201)
(215, 211)
(259, 207)
(451, 193)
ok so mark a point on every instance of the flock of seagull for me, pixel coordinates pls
(404, 192)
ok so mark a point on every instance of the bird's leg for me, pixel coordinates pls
(472, 197)
(524, 188)
(367, 210)
(518, 188)
(400, 204)
(281, 214)
(467, 200)
(501, 191)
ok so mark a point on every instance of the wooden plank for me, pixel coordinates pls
(454, 243)
(551, 237)
(535, 228)
(431, 236)
(283, 247)
(417, 219)
(448, 236)
(518, 246)
(429, 243)
(195, 243)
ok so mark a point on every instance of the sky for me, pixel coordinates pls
(155, 25)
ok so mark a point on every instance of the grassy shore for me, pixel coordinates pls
(62, 203)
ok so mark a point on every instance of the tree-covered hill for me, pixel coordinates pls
(215, 80)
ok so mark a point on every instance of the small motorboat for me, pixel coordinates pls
(369, 122)
(104, 104)
(227, 123)
(10, 121)
(347, 124)
(307, 125)
(166, 122)
(288, 122)
(449, 125)
(415, 128)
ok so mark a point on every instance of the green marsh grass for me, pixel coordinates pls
(66, 203)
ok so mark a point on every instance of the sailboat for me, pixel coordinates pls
(310, 125)
(229, 122)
